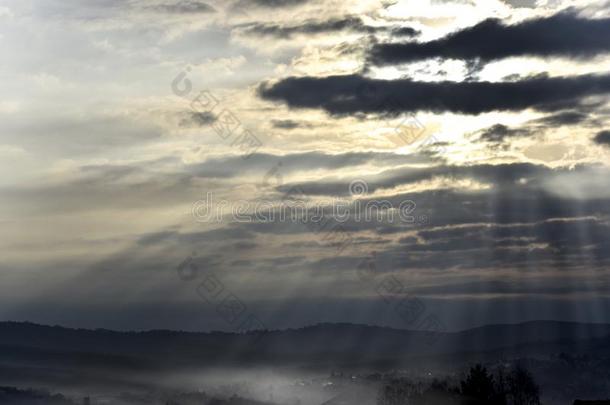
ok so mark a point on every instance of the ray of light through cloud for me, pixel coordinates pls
(311, 159)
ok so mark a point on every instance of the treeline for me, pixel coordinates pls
(514, 387)
(16, 396)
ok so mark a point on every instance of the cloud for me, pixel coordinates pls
(263, 163)
(405, 32)
(354, 24)
(521, 3)
(269, 3)
(289, 124)
(199, 118)
(499, 133)
(193, 238)
(503, 231)
(153, 184)
(5, 12)
(91, 10)
(603, 138)
(552, 242)
(349, 94)
(510, 226)
(186, 7)
(562, 35)
(73, 135)
(501, 176)
(564, 118)
(118, 166)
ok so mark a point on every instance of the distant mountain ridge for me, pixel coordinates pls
(318, 344)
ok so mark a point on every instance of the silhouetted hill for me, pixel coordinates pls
(323, 344)
(531, 332)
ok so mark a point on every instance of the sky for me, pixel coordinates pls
(149, 147)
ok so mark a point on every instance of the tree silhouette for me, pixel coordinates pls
(479, 384)
(517, 388)
(481, 387)
(501, 395)
(522, 389)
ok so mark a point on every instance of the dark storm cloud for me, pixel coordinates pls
(603, 138)
(499, 133)
(199, 119)
(186, 7)
(349, 94)
(562, 35)
(564, 118)
(190, 120)
(290, 124)
(405, 32)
